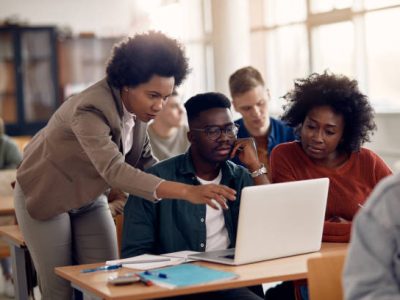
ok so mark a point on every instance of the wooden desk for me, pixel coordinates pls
(14, 238)
(289, 268)
(7, 214)
(7, 206)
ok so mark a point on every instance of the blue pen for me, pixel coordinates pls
(145, 281)
(159, 274)
(102, 268)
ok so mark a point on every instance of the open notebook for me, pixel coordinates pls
(150, 261)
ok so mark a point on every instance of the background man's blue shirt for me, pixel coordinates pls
(175, 225)
(279, 133)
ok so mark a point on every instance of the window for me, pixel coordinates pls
(333, 48)
(282, 12)
(319, 6)
(354, 37)
(287, 58)
(383, 58)
(190, 23)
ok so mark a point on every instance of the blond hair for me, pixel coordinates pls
(244, 80)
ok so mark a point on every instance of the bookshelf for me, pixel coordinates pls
(28, 77)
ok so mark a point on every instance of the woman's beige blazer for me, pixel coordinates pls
(78, 155)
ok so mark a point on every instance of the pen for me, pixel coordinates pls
(145, 281)
(159, 274)
(103, 268)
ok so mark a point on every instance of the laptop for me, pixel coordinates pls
(276, 220)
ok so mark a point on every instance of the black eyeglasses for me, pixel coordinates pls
(214, 132)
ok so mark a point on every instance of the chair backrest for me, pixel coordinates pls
(6, 191)
(119, 222)
(325, 277)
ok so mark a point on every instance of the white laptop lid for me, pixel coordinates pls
(277, 220)
(281, 219)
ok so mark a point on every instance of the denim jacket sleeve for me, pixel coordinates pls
(372, 268)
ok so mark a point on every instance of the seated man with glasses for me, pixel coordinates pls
(176, 225)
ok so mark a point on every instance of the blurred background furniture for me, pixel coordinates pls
(29, 77)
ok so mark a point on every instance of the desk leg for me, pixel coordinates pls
(19, 272)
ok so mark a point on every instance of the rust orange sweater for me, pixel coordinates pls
(350, 184)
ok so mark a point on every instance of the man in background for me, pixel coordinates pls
(168, 132)
(250, 98)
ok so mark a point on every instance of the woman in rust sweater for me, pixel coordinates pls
(333, 120)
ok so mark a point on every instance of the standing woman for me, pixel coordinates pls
(96, 140)
(334, 119)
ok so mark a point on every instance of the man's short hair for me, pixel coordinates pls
(135, 60)
(201, 102)
(243, 80)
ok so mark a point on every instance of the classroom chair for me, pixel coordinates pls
(24, 273)
(325, 277)
(119, 222)
(6, 177)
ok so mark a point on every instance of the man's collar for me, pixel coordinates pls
(187, 166)
(243, 132)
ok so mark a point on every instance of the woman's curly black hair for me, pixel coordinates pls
(137, 59)
(343, 96)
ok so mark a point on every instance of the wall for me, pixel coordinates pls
(386, 141)
(230, 39)
(102, 17)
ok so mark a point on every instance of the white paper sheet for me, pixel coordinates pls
(181, 254)
(174, 258)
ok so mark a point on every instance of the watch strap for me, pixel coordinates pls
(260, 171)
